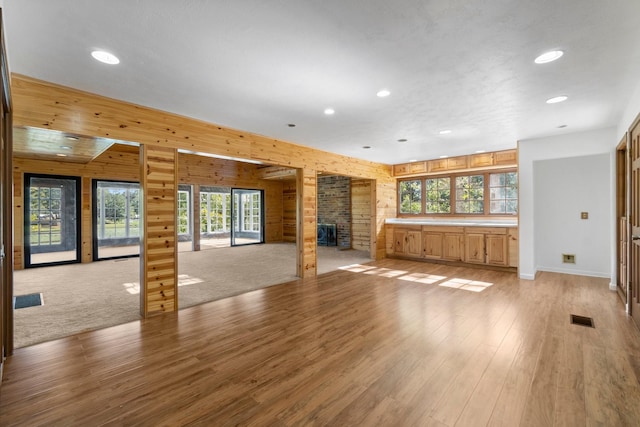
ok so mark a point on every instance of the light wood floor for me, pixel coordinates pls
(395, 343)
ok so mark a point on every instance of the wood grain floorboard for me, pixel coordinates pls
(393, 343)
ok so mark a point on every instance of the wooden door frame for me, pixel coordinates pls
(634, 208)
(623, 230)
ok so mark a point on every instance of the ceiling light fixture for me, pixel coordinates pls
(366, 147)
(481, 151)
(72, 138)
(65, 147)
(557, 99)
(329, 111)
(550, 56)
(443, 157)
(413, 160)
(105, 57)
(383, 93)
(562, 126)
(445, 132)
(61, 155)
(402, 140)
(291, 125)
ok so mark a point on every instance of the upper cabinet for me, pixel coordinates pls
(474, 161)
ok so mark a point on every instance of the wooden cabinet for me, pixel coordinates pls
(407, 241)
(459, 163)
(496, 246)
(443, 242)
(477, 245)
(432, 243)
(474, 248)
(486, 245)
(453, 246)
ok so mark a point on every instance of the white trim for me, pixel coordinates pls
(528, 276)
(612, 287)
(604, 275)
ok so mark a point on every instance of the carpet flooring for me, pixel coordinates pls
(82, 297)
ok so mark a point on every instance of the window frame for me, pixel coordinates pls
(452, 194)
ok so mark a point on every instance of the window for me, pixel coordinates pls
(470, 194)
(411, 197)
(503, 189)
(215, 211)
(488, 192)
(183, 212)
(438, 192)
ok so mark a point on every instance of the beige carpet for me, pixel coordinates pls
(81, 297)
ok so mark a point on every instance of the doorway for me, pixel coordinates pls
(247, 217)
(51, 225)
(634, 221)
(116, 219)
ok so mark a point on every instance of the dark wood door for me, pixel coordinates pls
(634, 262)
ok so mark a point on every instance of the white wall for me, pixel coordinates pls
(568, 146)
(562, 189)
(630, 113)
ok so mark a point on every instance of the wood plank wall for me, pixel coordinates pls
(361, 214)
(45, 105)
(289, 211)
(159, 248)
(121, 162)
(307, 222)
(195, 169)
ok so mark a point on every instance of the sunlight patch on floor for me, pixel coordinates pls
(467, 285)
(429, 279)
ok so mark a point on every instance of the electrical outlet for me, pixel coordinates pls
(568, 258)
(584, 215)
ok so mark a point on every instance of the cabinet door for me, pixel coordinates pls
(497, 249)
(432, 245)
(453, 246)
(474, 248)
(413, 246)
(399, 239)
(389, 242)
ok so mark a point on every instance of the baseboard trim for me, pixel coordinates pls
(576, 272)
(612, 287)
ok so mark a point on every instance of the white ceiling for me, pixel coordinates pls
(258, 65)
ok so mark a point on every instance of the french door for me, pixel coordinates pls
(247, 217)
(634, 261)
(51, 220)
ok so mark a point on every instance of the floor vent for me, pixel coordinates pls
(582, 321)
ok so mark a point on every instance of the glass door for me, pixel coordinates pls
(247, 217)
(52, 226)
(116, 219)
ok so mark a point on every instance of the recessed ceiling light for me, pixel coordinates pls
(65, 147)
(402, 140)
(383, 93)
(481, 151)
(329, 111)
(557, 99)
(549, 57)
(445, 132)
(443, 157)
(413, 160)
(291, 125)
(72, 138)
(366, 147)
(105, 57)
(61, 155)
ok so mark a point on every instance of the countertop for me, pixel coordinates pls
(455, 222)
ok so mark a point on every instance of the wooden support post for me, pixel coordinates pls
(158, 258)
(306, 183)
